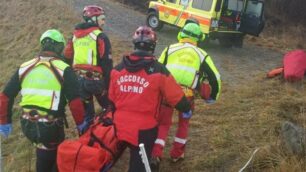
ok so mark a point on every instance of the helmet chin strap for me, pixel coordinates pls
(95, 20)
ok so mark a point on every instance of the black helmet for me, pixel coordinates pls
(144, 39)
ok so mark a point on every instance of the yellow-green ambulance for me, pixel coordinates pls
(226, 20)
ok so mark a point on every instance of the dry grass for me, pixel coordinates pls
(285, 25)
(282, 39)
(21, 24)
(222, 136)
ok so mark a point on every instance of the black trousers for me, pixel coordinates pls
(46, 160)
(147, 137)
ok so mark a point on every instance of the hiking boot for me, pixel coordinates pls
(179, 158)
(154, 164)
(177, 152)
(157, 150)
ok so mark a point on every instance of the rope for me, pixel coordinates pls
(249, 160)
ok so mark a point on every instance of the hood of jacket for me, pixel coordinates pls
(138, 60)
(84, 29)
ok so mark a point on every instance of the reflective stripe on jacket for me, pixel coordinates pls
(41, 82)
(85, 49)
(191, 65)
(184, 61)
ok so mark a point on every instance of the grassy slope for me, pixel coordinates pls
(21, 24)
(222, 135)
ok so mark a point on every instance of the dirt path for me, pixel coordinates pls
(236, 65)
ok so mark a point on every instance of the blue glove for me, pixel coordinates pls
(5, 129)
(83, 127)
(210, 101)
(187, 115)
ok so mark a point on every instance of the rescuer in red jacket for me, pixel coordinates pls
(137, 86)
(89, 53)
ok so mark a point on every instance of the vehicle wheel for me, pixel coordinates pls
(225, 42)
(154, 22)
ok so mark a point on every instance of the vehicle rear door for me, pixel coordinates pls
(252, 18)
(230, 15)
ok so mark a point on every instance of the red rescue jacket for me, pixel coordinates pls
(137, 87)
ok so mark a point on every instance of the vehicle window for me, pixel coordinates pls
(235, 5)
(184, 2)
(254, 8)
(202, 4)
(172, 1)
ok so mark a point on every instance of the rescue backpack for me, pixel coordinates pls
(294, 66)
(95, 151)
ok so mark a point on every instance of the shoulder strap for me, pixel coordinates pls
(52, 67)
(166, 56)
(23, 74)
(95, 34)
(57, 75)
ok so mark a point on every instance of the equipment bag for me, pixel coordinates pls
(94, 151)
(294, 65)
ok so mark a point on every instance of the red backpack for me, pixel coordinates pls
(95, 151)
(294, 66)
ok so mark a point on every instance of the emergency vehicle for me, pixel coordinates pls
(226, 20)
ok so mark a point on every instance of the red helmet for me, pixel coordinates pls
(92, 10)
(144, 38)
